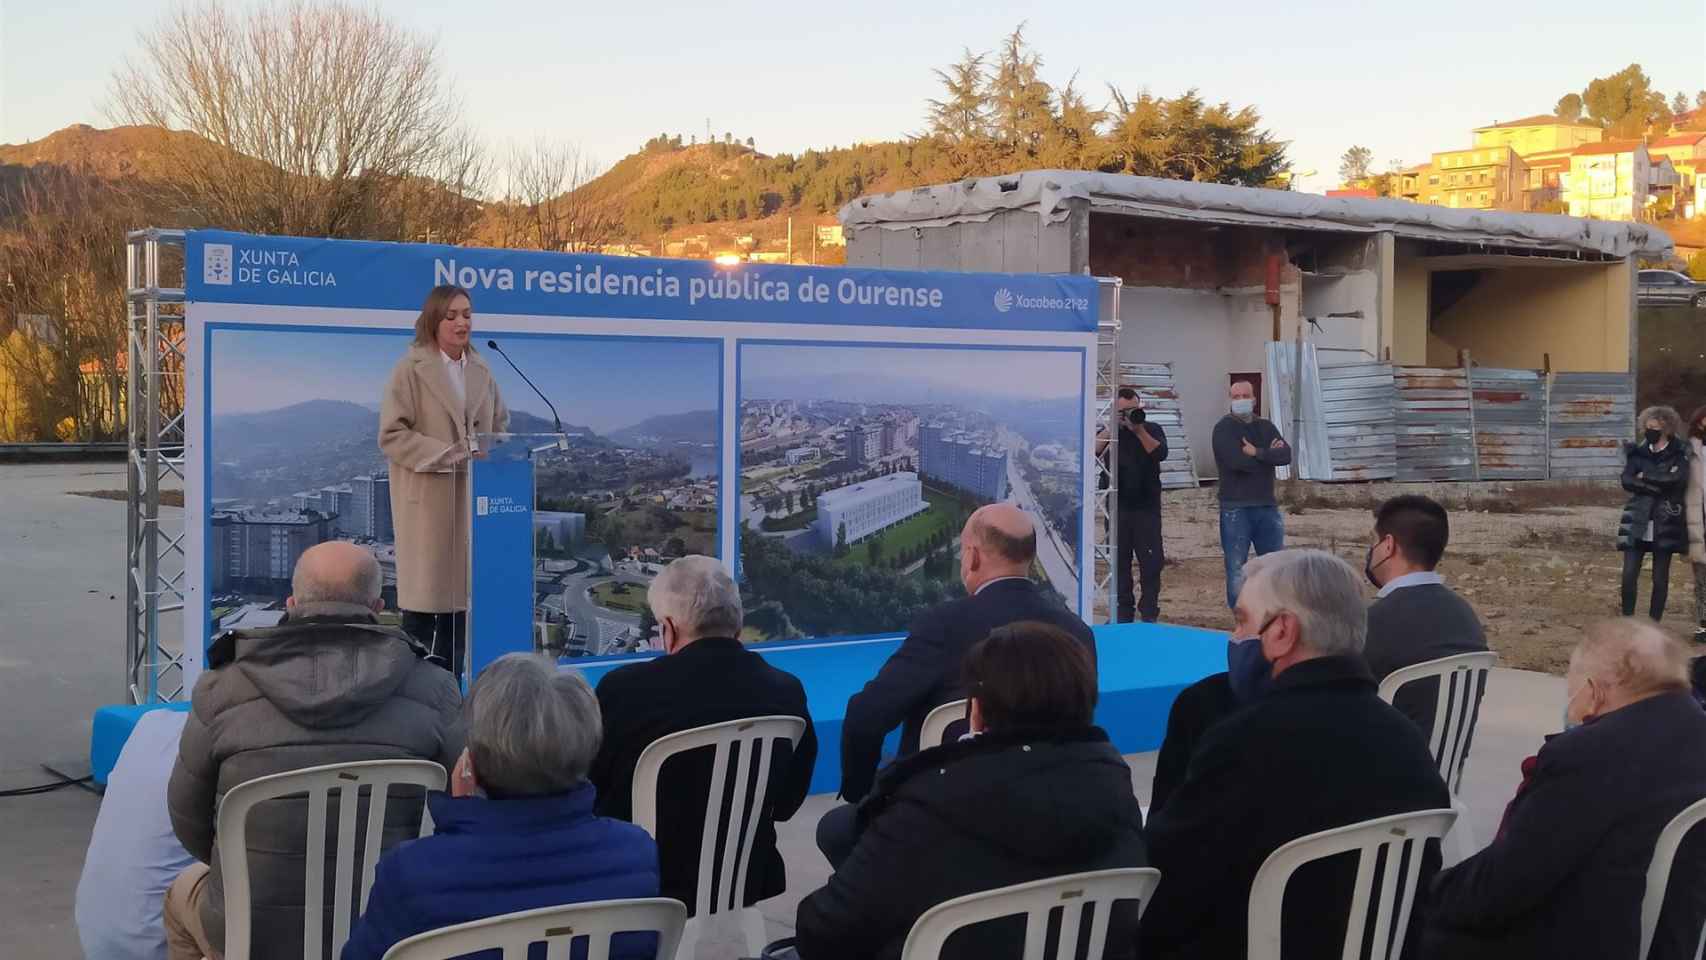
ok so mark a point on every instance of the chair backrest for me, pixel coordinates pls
(937, 722)
(1401, 838)
(1098, 890)
(556, 927)
(729, 841)
(1659, 871)
(349, 779)
(1457, 706)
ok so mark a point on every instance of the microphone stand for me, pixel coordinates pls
(562, 438)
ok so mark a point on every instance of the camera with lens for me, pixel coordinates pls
(1135, 416)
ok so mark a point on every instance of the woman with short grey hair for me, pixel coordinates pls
(517, 831)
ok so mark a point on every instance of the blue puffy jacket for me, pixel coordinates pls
(491, 857)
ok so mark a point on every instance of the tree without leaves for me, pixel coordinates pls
(314, 118)
(1354, 165)
(544, 207)
(1679, 103)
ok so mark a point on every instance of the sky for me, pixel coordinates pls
(602, 384)
(868, 374)
(1400, 79)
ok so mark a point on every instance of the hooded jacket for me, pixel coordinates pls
(328, 685)
(1657, 481)
(974, 815)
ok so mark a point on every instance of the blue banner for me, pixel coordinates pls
(242, 268)
(500, 601)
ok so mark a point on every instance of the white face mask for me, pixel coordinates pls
(1243, 407)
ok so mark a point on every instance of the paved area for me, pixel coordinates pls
(62, 655)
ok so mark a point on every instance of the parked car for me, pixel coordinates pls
(1669, 286)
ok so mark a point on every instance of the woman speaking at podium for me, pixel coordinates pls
(441, 397)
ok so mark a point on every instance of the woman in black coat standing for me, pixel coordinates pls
(1035, 792)
(1654, 520)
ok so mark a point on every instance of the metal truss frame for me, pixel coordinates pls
(1104, 497)
(155, 557)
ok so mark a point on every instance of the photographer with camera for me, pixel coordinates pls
(1142, 447)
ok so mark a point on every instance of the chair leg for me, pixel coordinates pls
(752, 924)
(689, 939)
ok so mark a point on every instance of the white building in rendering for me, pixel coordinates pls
(567, 530)
(869, 507)
(799, 455)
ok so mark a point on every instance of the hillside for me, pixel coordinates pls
(119, 153)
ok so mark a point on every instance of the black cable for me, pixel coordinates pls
(44, 788)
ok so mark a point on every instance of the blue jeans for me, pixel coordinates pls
(1240, 529)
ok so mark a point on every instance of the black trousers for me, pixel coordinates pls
(444, 634)
(1632, 558)
(838, 834)
(1139, 540)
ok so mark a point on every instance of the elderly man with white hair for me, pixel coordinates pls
(1566, 873)
(706, 676)
(1318, 750)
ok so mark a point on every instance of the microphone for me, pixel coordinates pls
(556, 419)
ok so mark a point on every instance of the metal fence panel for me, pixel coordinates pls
(1154, 385)
(1510, 423)
(1434, 424)
(1592, 415)
(1358, 407)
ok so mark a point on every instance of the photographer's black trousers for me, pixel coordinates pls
(1139, 541)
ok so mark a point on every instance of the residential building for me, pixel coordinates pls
(372, 507)
(1545, 179)
(799, 455)
(256, 551)
(1485, 178)
(338, 502)
(887, 432)
(864, 445)
(303, 500)
(1687, 153)
(566, 530)
(831, 236)
(1412, 183)
(1538, 134)
(866, 508)
(1609, 181)
(962, 460)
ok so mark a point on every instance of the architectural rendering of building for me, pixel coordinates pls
(372, 508)
(256, 551)
(339, 502)
(962, 460)
(867, 508)
(864, 445)
(799, 455)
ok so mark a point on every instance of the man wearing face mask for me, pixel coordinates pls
(1566, 874)
(1415, 617)
(705, 676)
(1318, 750)
(1247, 448)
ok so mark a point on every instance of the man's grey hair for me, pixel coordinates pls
(1635, 656)
(1322, 591)
(699, 595)
(309, 584)
(532, 729)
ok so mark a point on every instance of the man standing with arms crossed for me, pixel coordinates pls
(1142, 448)
(1247, 448)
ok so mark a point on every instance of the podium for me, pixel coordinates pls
(501, 542)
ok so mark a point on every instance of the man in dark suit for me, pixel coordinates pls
(1318, 750)
(707, 676)
(1566, 874)
(1415, 617)
(997, 548)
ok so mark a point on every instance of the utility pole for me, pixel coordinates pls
(790, 239)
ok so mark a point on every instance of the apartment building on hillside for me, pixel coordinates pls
(1486, 178)
(1609, 181)
(1542, 133)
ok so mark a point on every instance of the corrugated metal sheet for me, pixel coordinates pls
(1510, 423)
(1154, 384)
(1592, 415)
(1357, 405)
(1310, 452)
(1434, 424)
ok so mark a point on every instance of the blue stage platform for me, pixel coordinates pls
(1142, 668)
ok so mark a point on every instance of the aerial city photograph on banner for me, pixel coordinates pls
(294, 460)
(860, 464)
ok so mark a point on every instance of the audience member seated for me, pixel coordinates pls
(997, 549)
(1415, 617)
(1034, 792)
(517, 831)
(706, 676)
(1204, 704)
(133, 854)
(1319, 750)
(1567, 871)
(329, 684)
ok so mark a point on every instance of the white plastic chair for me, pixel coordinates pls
(1098, 889)
(1457, 708)
(1405, 834)
(556, 927)
(937, 722)
(1658, 876)
(755, 736)
(378, 776)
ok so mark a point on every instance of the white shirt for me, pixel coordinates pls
(456, 371)
(992, 583)
(1418, 579)
(133, 853)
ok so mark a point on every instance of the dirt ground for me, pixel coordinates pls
(1537, 560)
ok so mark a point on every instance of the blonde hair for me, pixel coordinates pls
(432, 311)
(1666, 415)
(1634, 656)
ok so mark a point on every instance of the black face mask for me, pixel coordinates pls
(1653, 437)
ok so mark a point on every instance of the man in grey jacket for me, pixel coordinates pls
(329, 684)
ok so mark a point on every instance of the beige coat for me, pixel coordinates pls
(418, 421)
(1695, 502)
